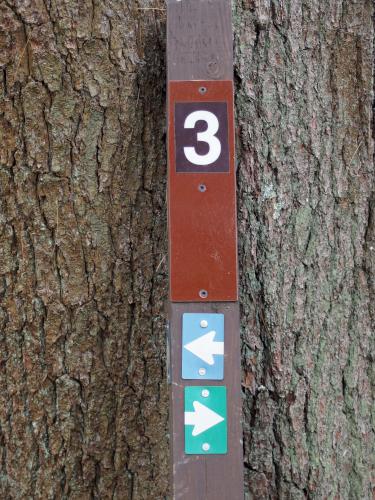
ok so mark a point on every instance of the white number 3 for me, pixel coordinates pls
(207, 136)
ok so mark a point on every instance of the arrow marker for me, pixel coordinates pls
(202, 418)
(205, 347)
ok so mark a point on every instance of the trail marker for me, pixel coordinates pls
(202, 192)
(203, 346)
(205, 420)
(204, 339)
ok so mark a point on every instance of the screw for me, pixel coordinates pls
(205, 446)
(203, 294)
(204, 323)
(205, 393)
(202, 90)
(202, 371)
(202, 188)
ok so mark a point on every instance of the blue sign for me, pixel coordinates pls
(202, 346)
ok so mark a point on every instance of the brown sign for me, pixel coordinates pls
(201, 192)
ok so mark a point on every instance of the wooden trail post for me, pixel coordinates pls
(204, 338)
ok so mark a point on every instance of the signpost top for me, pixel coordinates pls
(203, 49)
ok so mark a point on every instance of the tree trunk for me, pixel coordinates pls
(84, 403)
(306, 181)
(83, 274)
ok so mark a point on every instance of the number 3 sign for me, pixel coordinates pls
(201, 192)
(201, 135)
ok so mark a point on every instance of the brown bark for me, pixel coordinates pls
(83, 276)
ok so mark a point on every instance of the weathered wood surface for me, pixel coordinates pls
(201, 49)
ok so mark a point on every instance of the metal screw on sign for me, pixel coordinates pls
(203, 294)
(202, 90)
(205, 393)
(205, 446)
(202, 188)
(204, 323)
(202, 371)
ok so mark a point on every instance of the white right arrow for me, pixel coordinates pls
(205, 347)
(202, 418)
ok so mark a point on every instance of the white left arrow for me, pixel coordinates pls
(202, 418)
(205, 347)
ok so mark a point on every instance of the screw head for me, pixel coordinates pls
(204, 323)
(205, 446)
(202, 371)
(203, 294)
(202, 188)
(205, 393)
(202, 90)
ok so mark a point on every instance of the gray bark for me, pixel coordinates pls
(83, 275)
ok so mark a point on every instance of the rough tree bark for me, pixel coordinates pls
(83, 387)
(83, 394)
(306, 182)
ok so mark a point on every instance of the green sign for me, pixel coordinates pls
(205, 420)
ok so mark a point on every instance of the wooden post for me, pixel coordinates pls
(207, 459)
